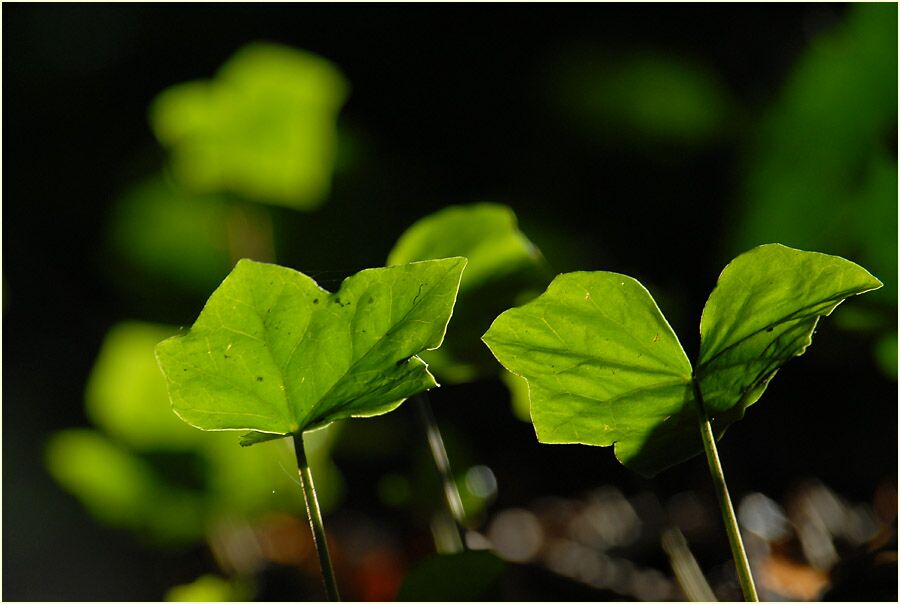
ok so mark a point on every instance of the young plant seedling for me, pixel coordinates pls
(502, 265)
(604, 367)
(275, 354)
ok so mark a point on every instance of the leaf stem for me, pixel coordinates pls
(315, 520)
(731, 526)
(442, 463)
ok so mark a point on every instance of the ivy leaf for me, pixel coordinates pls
(504, 266)
(264, 127)
(603, 366)
(275, 353)
(762, 312)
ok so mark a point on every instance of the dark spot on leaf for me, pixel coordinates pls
(770, 328)
(185, 369)
(227, 356)
(315, 300)
(259, 378)
(337, 300)
(371, 299)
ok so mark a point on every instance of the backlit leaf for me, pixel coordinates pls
(602, 364)
(503, 267)
(763, 312)
(273, 352)
(604, 367)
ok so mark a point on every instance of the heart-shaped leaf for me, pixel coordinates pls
(504, 266)
(274, 353)
(604, 367)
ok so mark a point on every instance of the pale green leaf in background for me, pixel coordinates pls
(125, 395)
(504, 268)
(604, 367)
(122, 489)
(273, 352)
(131, 472)
(264, 128)
(210, 588)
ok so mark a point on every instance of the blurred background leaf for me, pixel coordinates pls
(263, 128)
(465, 577)
(641, 98)
(821, 171)
(163, 236)
(146, 470)
(210, 588)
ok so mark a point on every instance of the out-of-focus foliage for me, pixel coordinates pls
(264, 128)
(163, 236)
(518, 395)
(274, 353)
(470, 576)
(642, 96)
(124, 391)
(822, 171)
(162, 232)
(146, 471)
(504, 269)
(210, 588)
(122, 489)
(604, 367)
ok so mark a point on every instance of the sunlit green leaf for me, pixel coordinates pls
(273, 352)
(464, 577)
(604, 367)
(263, 128)
(503, 266)
(763, 312)
(602, 364)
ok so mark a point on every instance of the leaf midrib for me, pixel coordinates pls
(840, 297)
(316, 406)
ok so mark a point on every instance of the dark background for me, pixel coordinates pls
(449, 104)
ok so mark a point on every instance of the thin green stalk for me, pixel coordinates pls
(442, 463)
(315, 520)
(731, 526)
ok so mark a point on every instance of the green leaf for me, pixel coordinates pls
(763, 312)
(263, 128)
(503, 267)
(211, 588)
(602, 364)
(122, 489)
(470, 576)
(126, 395)
(604, 367)
(273, 352)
